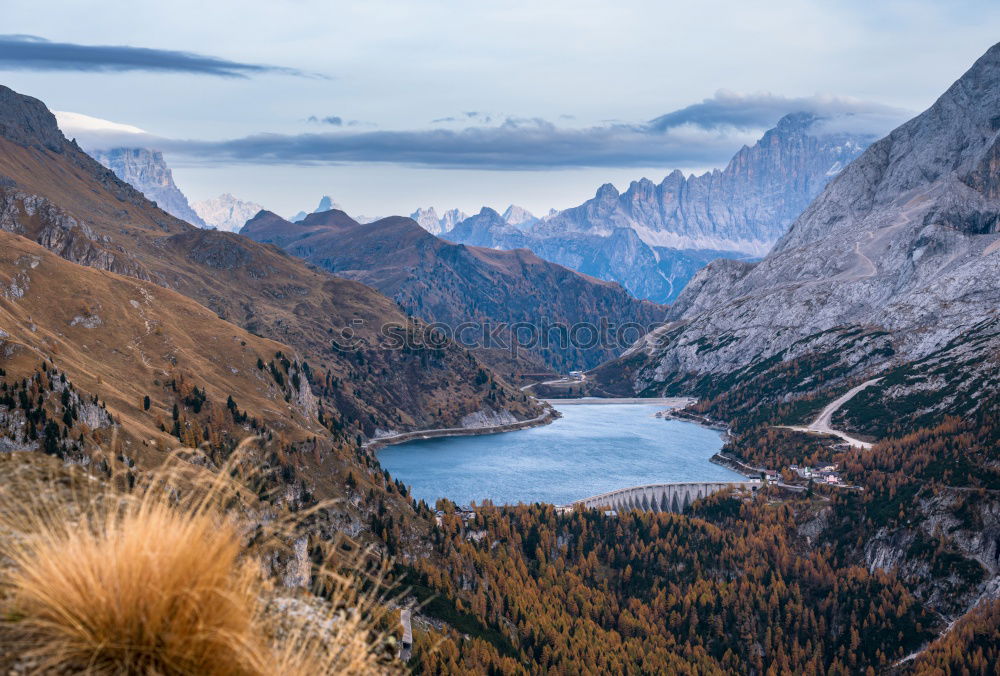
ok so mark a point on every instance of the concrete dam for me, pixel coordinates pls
(672, 497)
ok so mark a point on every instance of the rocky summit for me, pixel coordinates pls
(429, 220)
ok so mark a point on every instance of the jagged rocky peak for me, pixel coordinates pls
(146, 171)
(27, 122)
(428, 220)
(606, 192)
(953, 145)
(326, 203)
(451, 218)
(653, 237)
(518, 216)
(226, 212)
(743, 208)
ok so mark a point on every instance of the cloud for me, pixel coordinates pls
(763, 110)
(514, 144)
(29, 52)
(77, 123)
(468, 116)
(334, 120)
(702, 135)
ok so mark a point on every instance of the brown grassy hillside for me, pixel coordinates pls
(126, 339)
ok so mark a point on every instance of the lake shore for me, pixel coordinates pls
(549, 416)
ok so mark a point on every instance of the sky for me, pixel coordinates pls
(388, 105)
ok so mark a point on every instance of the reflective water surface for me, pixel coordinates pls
(592, 449)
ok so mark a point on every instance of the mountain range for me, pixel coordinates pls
(653, 237)
(129, 337)
(891, 271)
(456, 284)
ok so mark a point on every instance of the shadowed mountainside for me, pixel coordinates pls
(451, 283)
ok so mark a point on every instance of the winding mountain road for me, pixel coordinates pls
(822, 423)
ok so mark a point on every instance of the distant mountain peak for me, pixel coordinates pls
(326, 203)
(226, 212)
(518, 216)
(797, 121)
(654, 236)
(429, 220)
(606, 191)
(147, 171)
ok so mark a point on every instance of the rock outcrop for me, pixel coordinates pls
(147, 172)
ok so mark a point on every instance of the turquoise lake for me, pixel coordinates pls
(591, 449)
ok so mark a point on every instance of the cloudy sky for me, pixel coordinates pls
(388, 105)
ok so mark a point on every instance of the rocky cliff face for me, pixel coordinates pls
(653, 237)
(745, 207)
(903, 246)
(226, 212)
(147, 172)
(455, 284)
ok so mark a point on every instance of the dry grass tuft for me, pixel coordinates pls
(162, 578)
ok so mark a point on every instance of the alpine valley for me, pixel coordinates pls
(193, 397)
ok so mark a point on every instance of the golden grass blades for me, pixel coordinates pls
(170, 572)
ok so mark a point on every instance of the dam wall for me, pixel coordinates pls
(671, 497)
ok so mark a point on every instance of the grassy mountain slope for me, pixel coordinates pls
(126, 339)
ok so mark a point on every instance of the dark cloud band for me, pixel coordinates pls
(504, 147)
(760, 111)
(706, 134)
(27, 52)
